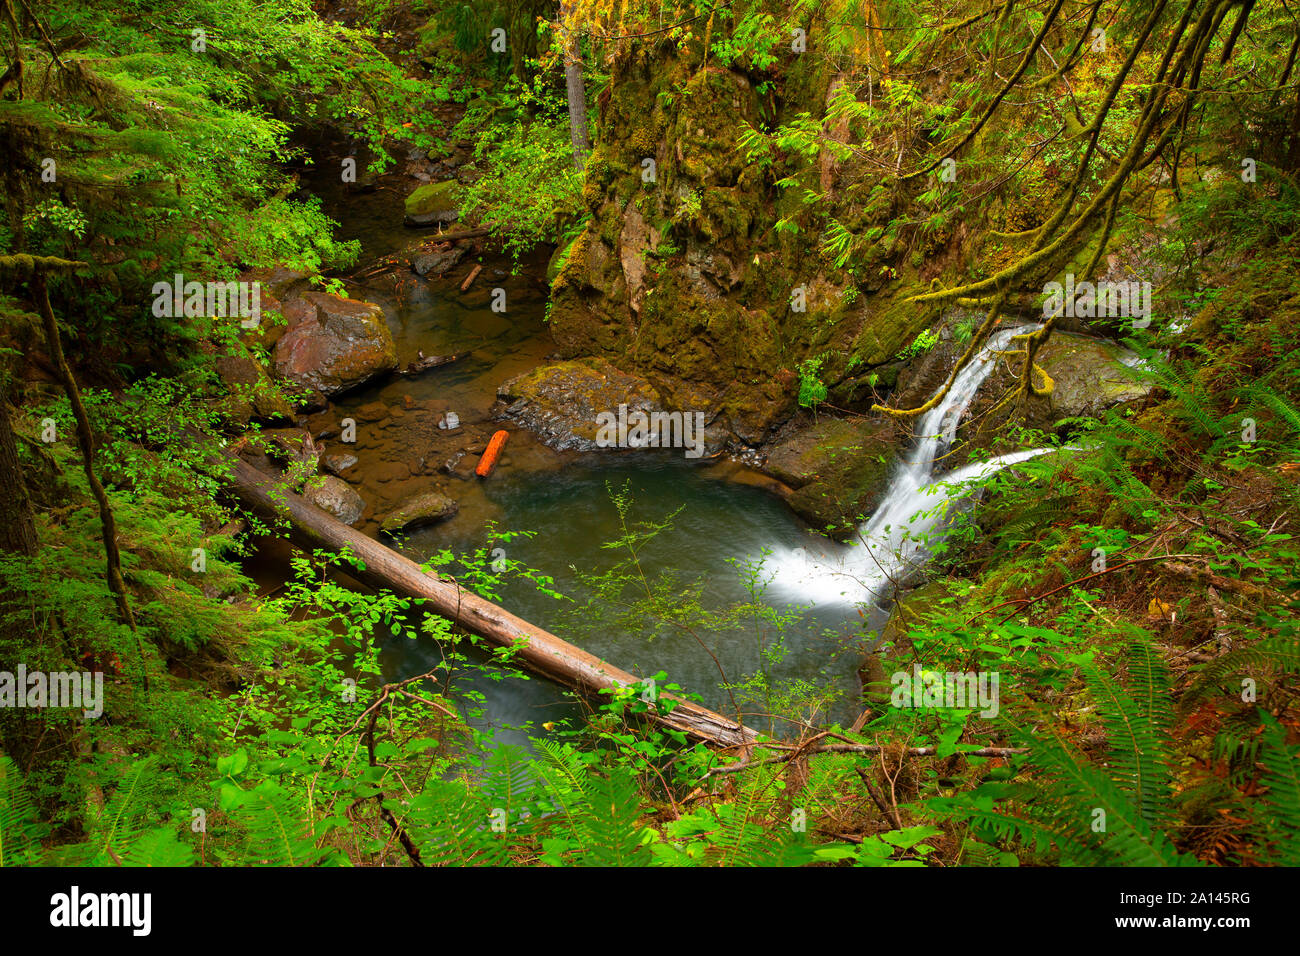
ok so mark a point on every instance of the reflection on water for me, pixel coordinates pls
(572, 514)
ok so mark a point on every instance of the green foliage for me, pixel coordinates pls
(529, 191)
(812, 390)
(925, 340)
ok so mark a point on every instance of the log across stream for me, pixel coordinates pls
(536, 648)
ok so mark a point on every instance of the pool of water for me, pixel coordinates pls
(724, 524)
(702, 557)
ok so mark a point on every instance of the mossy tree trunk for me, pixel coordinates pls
(17, 525)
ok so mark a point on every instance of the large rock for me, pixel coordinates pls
(838, 468)
(438, 260)
(334, 495)
(433, 204)
(252, 396)
(1088, 376)
(334, 343)
(423, 508)
(560, 403)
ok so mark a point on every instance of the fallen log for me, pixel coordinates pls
(536, 649)
(469, 279)
(489, 460)
(426, 362)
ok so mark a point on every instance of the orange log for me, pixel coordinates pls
(490, 456)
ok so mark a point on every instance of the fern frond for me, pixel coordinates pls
(19, 830)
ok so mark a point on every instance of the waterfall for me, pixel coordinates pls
(891, 544)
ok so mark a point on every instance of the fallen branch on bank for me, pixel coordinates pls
(795, 751)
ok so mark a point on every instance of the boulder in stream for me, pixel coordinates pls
(560, 402)
(838, 468)
(438, 260)
(337, 464)
(334, 495)
(433, 204)
(425, 507)
(336, 344)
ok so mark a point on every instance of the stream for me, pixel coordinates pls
(563, 497)
(727, 525)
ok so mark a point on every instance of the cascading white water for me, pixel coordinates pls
(891, 546)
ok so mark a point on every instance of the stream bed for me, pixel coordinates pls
(726, 523)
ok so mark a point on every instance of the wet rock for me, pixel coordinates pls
(461, 465)
(337, 464)
(368, 183)
(389, 471)
(433, 204)
(838, 468)
(425, 507)
(371, 412)
(338, 344)
(334, 496)
(1088, 376)
(438, 261)
(560, 403)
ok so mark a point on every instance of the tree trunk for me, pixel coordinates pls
(535, 648)
(17, 526)
(86, 440)
(577, 92)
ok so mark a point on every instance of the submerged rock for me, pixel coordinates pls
(426, 507)
(334, 495)
(438, 261)
(335, 345)
(337, 464)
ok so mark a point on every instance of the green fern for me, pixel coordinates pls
(1090, 815)
(20, 832)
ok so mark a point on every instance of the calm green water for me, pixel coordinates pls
(720, 523)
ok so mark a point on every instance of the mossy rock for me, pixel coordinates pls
(919, 606)
(561, 403)
(334, 496)
(422, 508)
(434, 203)
(839, 468)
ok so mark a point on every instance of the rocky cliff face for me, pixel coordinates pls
(682, 275)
